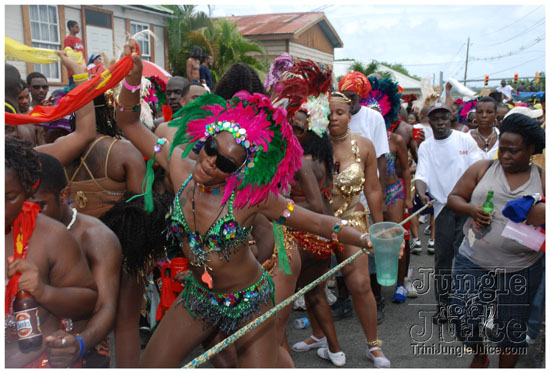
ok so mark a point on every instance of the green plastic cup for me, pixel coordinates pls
(386, 238)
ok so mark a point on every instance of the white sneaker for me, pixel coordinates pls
(431, 246)
(302, 346)
(411, 289)
(416, 246)
(379, 361)
(299, 304)
(423, 219)
(428, 230)
(337, 358)
(331, 298)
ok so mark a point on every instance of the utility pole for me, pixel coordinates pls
(466, 67)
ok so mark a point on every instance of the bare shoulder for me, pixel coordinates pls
(366, 147)
(96, 239)
(52, 238)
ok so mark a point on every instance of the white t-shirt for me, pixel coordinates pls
(442, 162)
(506, 91)
(370, 124)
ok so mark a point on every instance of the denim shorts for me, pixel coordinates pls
(479, 295)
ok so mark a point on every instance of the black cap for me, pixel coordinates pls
(439, 106)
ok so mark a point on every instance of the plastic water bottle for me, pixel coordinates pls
(301, 323)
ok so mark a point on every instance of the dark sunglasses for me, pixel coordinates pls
(40, 86)
(223, 163)
(298, 130)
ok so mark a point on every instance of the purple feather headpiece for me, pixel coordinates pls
(281, 64)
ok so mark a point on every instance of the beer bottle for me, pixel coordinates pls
(488, 205)
(27, 322)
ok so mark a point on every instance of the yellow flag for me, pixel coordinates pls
(21, 52)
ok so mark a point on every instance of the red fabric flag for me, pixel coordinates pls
(23, 226)
(77, 97)
(167, 112)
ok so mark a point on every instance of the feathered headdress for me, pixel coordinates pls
(281, 64)
(385, 95)
(429, 96)
(307, 88)
(273, 152)
(465, 109)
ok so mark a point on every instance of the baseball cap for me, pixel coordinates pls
(439, 106)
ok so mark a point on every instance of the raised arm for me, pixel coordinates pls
(68, 148)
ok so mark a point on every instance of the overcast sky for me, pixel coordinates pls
(427, 39)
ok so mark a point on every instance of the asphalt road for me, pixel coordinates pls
(410, 339)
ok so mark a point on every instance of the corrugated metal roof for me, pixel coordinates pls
(158, 8)
(288, 24)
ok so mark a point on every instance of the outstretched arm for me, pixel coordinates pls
(71, 146)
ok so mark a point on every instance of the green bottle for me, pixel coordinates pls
(488, 205)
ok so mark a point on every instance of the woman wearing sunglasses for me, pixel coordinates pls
(249, 153)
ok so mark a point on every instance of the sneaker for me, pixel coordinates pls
(331, 298)
(299, 304)
(431, 246)
(423, 219)
(400, 294)
(337, 358)
(302, 346)
(380, 307)
(428, 230)
(416, 246)
(341, 308)
(411, 289)
(379, 361)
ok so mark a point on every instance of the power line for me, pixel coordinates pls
(502, 28)
(521, 49)
(512, 67)
(537, 24)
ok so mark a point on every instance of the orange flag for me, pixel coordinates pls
(77, 97)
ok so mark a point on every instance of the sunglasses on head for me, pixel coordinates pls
(298, 130)
(223, 163)
(40, 86)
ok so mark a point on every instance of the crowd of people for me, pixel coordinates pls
(193, 207)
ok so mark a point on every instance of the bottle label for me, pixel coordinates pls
(24, 324)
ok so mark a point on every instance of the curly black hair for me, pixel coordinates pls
(238, 77)
(320, 148)
(52, 177)
(105, 122)
(528, 128)
(140, 233)
(21, 157)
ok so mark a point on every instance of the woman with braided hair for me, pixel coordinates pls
(247, 153)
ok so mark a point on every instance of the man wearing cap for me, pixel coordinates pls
(506, 91)
(442, 159)
(95, 65)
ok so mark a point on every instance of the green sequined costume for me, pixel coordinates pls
(227, 311)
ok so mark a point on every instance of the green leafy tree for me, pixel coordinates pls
(186, 29)
(372, 68)
(229, 47)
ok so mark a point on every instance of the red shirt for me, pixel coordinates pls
(76, 44)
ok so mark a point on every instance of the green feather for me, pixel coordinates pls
(278, 235)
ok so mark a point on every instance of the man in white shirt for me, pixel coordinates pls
(506, 91)
(442, 159)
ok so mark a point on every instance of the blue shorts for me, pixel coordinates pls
(417, 205)
(477, 293)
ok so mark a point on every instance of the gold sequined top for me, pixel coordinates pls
(347, 186)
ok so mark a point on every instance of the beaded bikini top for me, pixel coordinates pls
(223, 235)
(349, 183)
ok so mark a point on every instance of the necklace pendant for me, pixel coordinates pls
(207, 279)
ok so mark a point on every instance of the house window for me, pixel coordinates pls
(45, 34)
(144, 41)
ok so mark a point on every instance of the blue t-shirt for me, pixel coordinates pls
(206, 75)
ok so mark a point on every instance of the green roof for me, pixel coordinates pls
(158, 8)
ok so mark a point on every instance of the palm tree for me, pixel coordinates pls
(372, 68)
(185, 30)
(230, 46)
